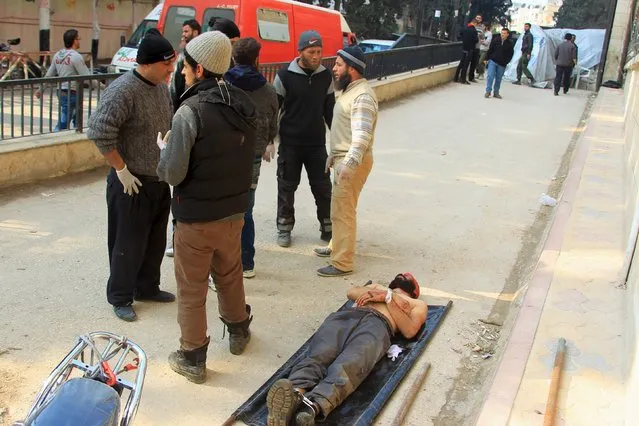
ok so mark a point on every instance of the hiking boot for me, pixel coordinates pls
(306, 415)
(331, 271)
(161, 297)
(190, 364)
(284, 239)
(517, 83)
(497, 96)
(282, 402)
(326, 236)
(322, 251)
(239, 333)
(125, 313)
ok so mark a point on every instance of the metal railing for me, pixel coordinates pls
(63, 103)
(22, 113)
(397, 61)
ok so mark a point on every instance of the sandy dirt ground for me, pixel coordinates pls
(453, 198)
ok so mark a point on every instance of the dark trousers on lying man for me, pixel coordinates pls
(342, 353)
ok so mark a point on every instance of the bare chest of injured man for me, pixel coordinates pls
(382, 308)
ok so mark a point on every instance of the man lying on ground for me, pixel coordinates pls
(345, 349)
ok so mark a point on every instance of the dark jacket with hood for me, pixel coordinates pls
(500, 51)
(263, 95)
(209, 154)
(307, 100)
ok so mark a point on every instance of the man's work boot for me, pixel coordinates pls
(190, 364)
(284, 239)
(125, 313)
(239, 333)
(307, 414)
(282, 402)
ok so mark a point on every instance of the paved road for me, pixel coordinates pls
(452, 198)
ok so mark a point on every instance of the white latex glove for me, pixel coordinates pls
(129, 182)
(269, 154)
(393, 352)
(329, 163)
(162, 141)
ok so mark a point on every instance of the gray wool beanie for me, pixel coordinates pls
(212, 50)
(308, 39)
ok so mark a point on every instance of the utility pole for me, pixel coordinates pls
(45, 28)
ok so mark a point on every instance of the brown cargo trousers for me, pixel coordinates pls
(201, 248)
(344, 215)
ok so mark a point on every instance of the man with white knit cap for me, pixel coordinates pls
(208, 159)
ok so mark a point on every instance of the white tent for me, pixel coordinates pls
(541, 64)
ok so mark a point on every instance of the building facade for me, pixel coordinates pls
(20, 18)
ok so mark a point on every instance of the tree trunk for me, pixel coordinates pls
(338, 5)
(95, 39)
(45, 28)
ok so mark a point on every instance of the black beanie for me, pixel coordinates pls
(154, 48)
(354, 57)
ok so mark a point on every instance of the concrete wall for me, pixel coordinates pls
(44, 157)
(631, 227)
(37, 158)
(620, 28)
(19, 18)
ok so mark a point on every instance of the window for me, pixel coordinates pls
(218, 13)
(273, 25)
(175, 18)
(139, 32)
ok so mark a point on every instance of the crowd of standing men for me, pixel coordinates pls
(206, 136)
(483, 53)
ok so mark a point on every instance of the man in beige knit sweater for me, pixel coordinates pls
(352, 136)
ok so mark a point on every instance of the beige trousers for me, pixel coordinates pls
(344, 215)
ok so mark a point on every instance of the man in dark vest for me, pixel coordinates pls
(208, 158)
(307, 98)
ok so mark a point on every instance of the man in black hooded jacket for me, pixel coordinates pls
(208, 159)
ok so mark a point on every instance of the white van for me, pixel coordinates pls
(124, 59)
